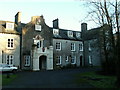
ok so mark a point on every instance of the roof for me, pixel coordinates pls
(63, 34)
(3, 28)
(91, 34)
(95, 32)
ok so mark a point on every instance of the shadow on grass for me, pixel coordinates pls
(8, 78)
(97, 79)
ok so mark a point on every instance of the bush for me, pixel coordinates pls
(68, 66)
(109, 67)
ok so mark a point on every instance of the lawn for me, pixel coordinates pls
(6, 80)
(96, 80)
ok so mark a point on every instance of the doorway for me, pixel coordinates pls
(80, 60)
(42, 62)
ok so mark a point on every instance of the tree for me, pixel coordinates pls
(106, 12)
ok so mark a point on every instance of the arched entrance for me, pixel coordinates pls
(42, 62)
(80, 60)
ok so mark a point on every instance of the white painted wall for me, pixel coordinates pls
(48, 53)
(3, 46)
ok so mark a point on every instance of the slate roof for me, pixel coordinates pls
(91, 34)
(63, 34)
(95, 32)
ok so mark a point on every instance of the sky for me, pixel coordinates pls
(69, 12)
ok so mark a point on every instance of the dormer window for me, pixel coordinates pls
(70, 34)
(56, 31)
(10, 26)
(78, 34)
(38, 27)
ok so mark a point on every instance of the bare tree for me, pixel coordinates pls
(106, 12)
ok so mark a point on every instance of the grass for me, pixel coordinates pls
(6, 80)
(96, 80)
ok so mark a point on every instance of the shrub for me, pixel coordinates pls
(109, 67)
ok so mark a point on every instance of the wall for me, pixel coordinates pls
(66, 51)
(29, 32)
(16, 51)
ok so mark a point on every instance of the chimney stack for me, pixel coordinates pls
(18, 18)
(56, 23)
(83, 27)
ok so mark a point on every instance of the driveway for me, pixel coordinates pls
(49, 79)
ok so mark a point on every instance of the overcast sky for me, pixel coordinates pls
(69, 12)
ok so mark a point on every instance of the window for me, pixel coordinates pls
(56, 31)
(73, 59)
(38, 27)
(38, 44)
(81, 46)
(27, 60)
(10, 44)
(10, 26)
(9, 59)
(90, 60)
(58, 60)
(58, 45)
(89, 47)
(70, 34)
(72, 46)
(78, 35)
(66, 58)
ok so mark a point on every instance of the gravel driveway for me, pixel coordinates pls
(49, 79)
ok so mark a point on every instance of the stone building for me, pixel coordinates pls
(40, 47)
(91, 46)
(9, 44)
(44, 47)
(37, 48)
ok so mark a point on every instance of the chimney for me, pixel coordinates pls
(56, 23)
(83, 27)
(37, 19)
(18, 18)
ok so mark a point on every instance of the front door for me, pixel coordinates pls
(42, 63)
(80, 60)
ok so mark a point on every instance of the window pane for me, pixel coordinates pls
(11, 39)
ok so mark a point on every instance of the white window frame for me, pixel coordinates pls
(72, 46)
(27, 60)
(90, 59)
(56, 31)
(10, 59)
(74, 59)
(10, 44)
(58, 58)
(81, 46)
(38, 27)
(66, 58)
(70, 34)
(89, 46)
(58, 46)
(78, 34)
(10, 26)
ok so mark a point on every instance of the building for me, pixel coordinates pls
(48, 48)
(40, 47)
(9, 43)
(91, 46)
